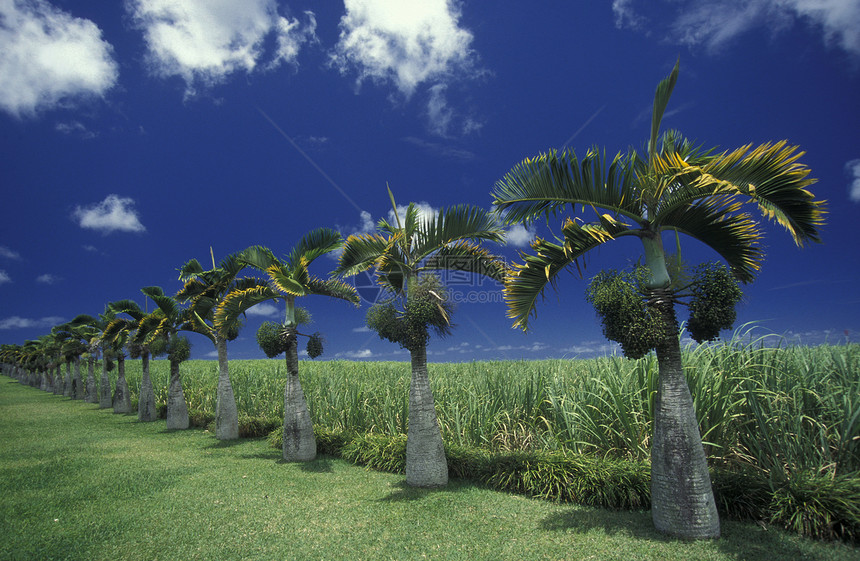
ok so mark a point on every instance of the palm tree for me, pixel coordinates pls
(162, 328)
(405, 257)
(135, 334)
(75, 336)
(203, 291)
(288, 280)
(672, 186)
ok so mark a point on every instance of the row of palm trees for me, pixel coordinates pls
(671, 185)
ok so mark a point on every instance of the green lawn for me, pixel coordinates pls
(81, 483)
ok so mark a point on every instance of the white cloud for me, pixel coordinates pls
(113, 213)
(4, 277)
(853, 169)
(438, 111)
(75, 127)
(408, 42)
(520, 236)
(47, 278)
(8, 253)
(203, 41)
(90, 248)
(714, 23)
(425, 212)
(362, 329)
(17, 322)
(264, 309)
(48, 57)
(362, 353)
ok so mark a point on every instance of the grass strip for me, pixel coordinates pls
(80, 483)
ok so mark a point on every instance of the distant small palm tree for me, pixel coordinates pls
(161, 329)
(135, 335)
(404, 257)
(288, 280)
(203, 291)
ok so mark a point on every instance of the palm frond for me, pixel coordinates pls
(661, 100)
(528, 281)
(773, 178)
(717, 222)
(285, 282)
(258, 257)
(467, 257)
(165, 303)
(460, 222)
(544, 185)
(190, 270)
(129, 307)
(314, 244)
(334, 288)
(237, 302)
(360, 253)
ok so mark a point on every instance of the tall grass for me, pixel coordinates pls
(781, 410)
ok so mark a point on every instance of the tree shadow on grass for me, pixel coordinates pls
(405, 492)
(739, 540)
(218, 444)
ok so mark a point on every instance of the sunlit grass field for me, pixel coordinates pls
(80, 483)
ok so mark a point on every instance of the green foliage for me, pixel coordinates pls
(626, 318)
(712, 307)
(273, 338)
(178, 348)
(819, 507)
(315, 344)
(426, 308)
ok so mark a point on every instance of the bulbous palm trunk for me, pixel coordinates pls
(299, 444)
(77, 381)
(105, 389)
(58, 381)
(682, 500)
(122, 397)
(92, 390)
(426, 465)
(177, 410)
(146, 401)
(226, 414)
(67, 381)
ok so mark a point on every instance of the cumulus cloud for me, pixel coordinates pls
(714, 23)
(853, 170)
(47, 278)
(17, 322)
(115, 213)
(204, 41)
(8, 253)
(361, 353)
(520, 236)
(425, 212)
(49, 57)
(4, 277)
(264, 309)
(405, 42)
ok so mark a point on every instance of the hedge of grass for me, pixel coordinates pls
(812, 505)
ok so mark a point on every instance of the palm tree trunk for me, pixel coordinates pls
(67, 381)
(77, 381)
(177, 410)
(299, 444)
(146, 401)
(226, 415)
(105, 390)
(426, 465)
(121, 399)
(682, 500)
(58, 380)
(92, 390)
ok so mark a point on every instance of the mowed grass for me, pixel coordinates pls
(81, 483)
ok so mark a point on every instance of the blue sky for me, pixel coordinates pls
(136, 135)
